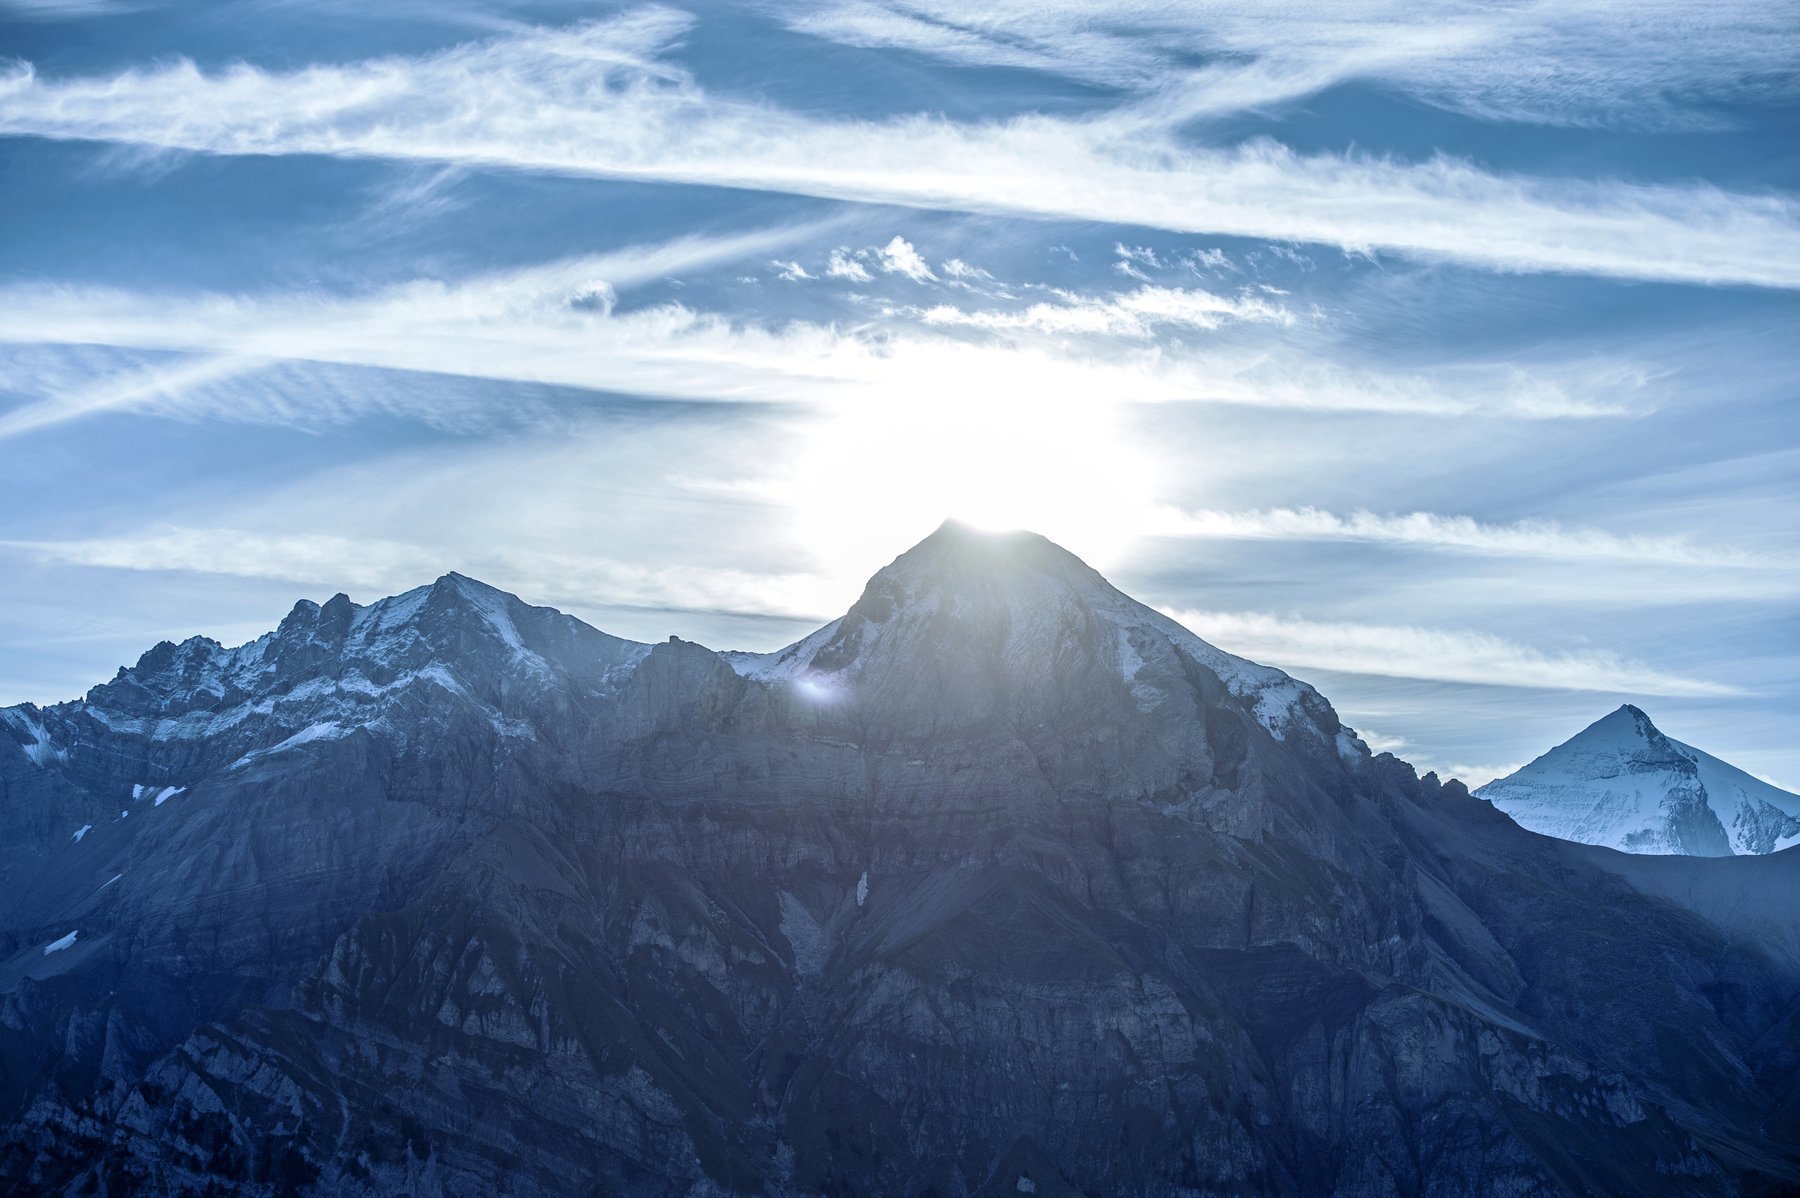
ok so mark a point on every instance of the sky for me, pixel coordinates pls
(1441, 354)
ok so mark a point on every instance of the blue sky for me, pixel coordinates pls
(1441, 354)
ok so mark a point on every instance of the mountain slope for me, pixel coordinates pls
(1623, 784)
(1002, 880)
(207, 823)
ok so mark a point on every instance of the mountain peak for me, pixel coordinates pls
(1623, 783)
(1627, 718)
(968, 549)
(976, 625)
(462, 584)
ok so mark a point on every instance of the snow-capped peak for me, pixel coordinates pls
(1622, 783)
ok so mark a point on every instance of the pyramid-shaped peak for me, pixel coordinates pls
(977, 623)
(1626, 725)
(1623, 783)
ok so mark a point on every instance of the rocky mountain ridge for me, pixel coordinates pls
(1000, 881)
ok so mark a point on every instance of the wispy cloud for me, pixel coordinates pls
(148, 387)
(843, 264)
(956, 268)
(558, 324)
(1477, 776)
(1402, 651)
(598, 100)
(62, 10)
(1472, 776)
(375, 567)
(1590, 62)
(1137, 314)
(1529, 538)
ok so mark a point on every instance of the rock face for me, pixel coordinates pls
(1000, 884)
(1623, 784)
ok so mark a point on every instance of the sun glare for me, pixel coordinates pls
(874, 474)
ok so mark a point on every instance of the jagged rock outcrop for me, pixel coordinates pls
(1002, 881)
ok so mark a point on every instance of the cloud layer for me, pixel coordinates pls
(1530, 538)
(1575, 62)
(559, 324)
(602, 100)
(1403, 651)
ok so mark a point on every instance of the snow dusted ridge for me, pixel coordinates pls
(1031, 593)
(453, 651)
(1623, 784)
(458, 659)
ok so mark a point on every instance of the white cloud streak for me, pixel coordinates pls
(596, 100)
(61, 10)
(557, 324)
(1136, 314)
(1528, 538)
(956, 268)
(1567, 62)
(150, 387)
(1402, 651)
(377, 567)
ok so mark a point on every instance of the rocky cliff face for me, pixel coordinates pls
(1621, 783)
(1002, 883)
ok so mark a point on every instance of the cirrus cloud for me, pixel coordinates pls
(1403, 651)
(603, 100)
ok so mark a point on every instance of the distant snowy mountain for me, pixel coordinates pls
(1623, 784)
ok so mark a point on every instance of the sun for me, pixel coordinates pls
(870, 475)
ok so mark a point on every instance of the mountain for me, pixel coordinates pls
(1623, 784)
(1002, 883)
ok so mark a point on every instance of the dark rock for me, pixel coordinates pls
(1000, 882)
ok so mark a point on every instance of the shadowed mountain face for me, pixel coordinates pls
(1002, 883)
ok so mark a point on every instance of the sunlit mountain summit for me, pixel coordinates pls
(1620, 782)
(1000, 883)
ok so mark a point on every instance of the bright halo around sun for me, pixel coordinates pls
(872, 475)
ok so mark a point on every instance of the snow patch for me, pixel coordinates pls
(862, 888)
(1350, 747)
(57, 945)
(804, 934)
(324, 730)
(80, 832)
(39, 751)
